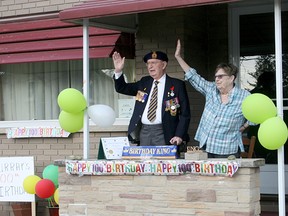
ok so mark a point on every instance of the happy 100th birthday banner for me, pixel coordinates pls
(152, 167)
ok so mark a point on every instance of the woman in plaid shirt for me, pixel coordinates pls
(222, 122)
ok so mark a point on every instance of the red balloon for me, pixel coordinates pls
(45, 188)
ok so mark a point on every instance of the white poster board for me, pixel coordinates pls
(13, 171)
(112, 147)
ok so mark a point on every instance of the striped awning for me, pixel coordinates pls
(52, 39)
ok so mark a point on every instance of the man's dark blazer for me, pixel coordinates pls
(172, 125)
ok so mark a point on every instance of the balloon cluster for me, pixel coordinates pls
(46, 188)
(260, 109)
(73, 105)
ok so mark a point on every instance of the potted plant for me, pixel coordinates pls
(53, 207)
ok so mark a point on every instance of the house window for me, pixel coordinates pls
(29, 91)
(257, 55)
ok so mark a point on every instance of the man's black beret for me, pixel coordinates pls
(155, 55)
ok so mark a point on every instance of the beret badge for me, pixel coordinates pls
(155, 55)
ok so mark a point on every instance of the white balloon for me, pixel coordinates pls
(101, 115)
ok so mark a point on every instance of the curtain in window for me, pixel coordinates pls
(102, 85)
(30, 90)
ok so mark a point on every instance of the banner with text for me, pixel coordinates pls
(25, 132)
(152, 167)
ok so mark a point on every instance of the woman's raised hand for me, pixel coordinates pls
(178, 49)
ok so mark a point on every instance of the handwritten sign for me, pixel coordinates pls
(112, 147)
(126, 107)
(152, 167)
(13, 171)
(24, 132)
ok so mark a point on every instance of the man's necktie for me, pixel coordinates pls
(153, 104)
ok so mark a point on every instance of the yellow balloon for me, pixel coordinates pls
(71, 122)
(71, 100)
(273, 133)
(258, 107)
(30, 182)
(56, 196)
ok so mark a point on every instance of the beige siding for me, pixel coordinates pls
(14, 8)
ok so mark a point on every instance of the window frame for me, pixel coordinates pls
(54, 122)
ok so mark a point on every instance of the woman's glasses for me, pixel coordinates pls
(220, 76)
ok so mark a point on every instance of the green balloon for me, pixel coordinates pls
(71, 122)
(51, 172)
(71, 100)
(273, 133)
(258, 107)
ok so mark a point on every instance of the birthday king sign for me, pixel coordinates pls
(152, 167)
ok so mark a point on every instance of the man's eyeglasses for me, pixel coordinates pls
(220, 76)
(153, 63)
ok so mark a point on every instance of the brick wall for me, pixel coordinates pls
(46, 150)
(204, 37)
(13, 8)
(180, 195)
